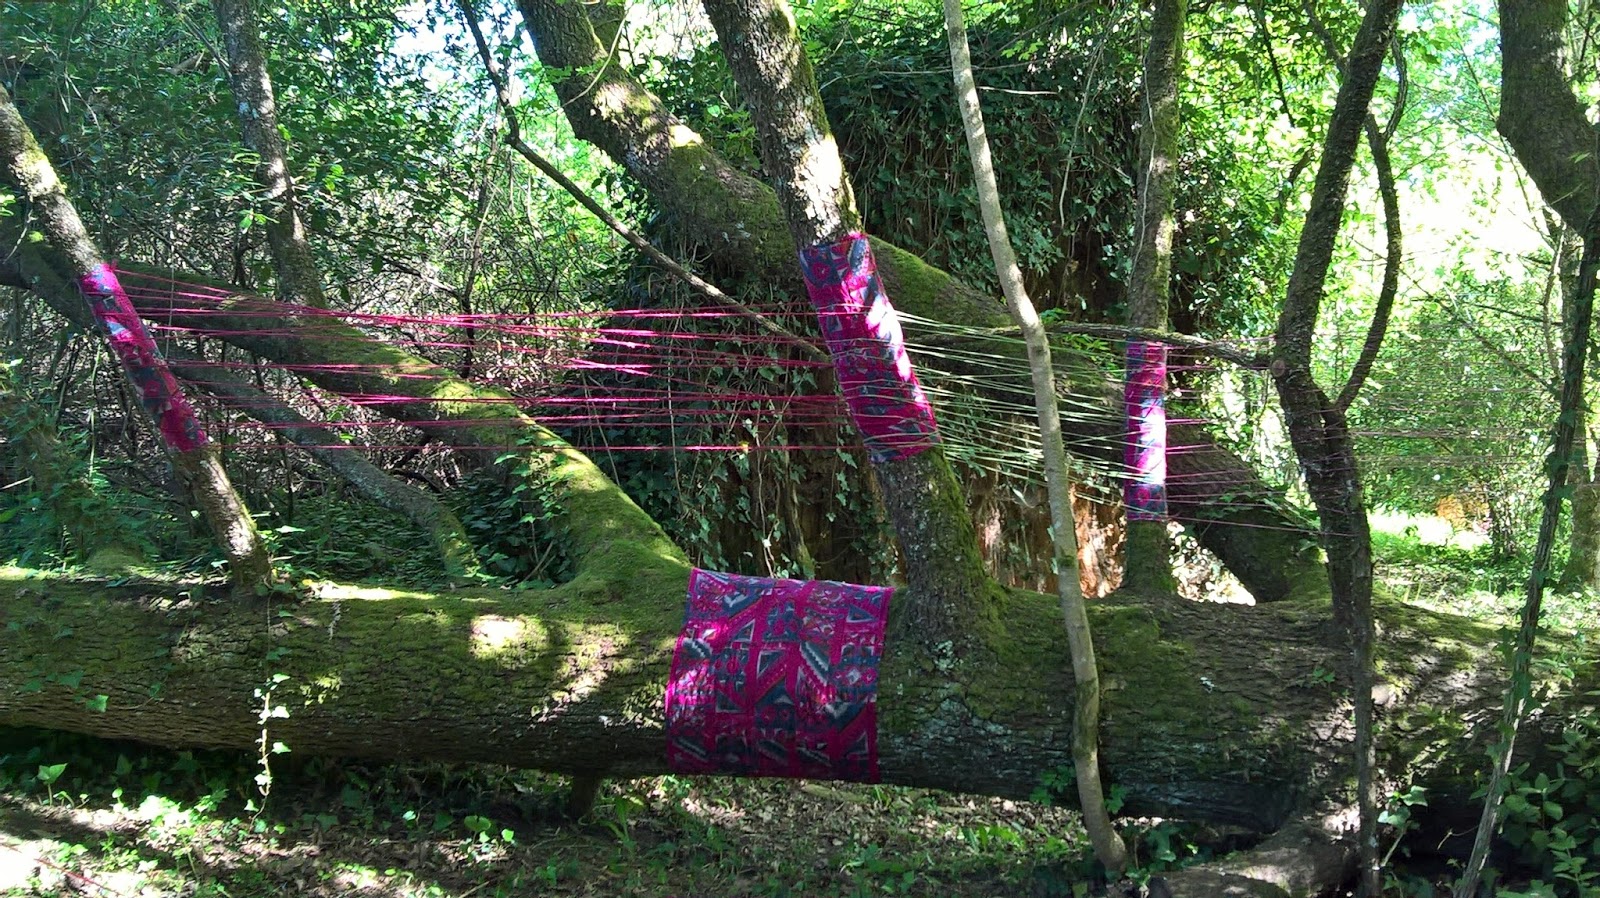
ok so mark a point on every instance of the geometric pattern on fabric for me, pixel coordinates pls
(869, 350)
(1144, 494)
(136, 350)
(775, 677)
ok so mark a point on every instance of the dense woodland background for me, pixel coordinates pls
(432, 236)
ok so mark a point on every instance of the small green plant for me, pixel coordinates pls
(1320, 677)
(1553, 819)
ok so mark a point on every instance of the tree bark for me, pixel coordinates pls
(601, 526)
(1318, 428)
(925, 504)
(1540, 116)
(298, 280)
(1149, 285)
(105, 309)
(1583, 561)
(737, 219)
(572, 680)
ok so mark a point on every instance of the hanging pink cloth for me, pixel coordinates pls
(869, 351)
(136, 350)
(776, 677)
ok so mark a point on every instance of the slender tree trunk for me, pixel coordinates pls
(27, 169)
(1145, 492)
(1559, 466)
(1317, 426)
(1108, 844)
(298, 280)
(950, 592)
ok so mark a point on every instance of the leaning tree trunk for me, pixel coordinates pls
(739, 223)
(572, 679)
(26, 169)
(601, 525)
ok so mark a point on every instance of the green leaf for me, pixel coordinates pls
(49, 773)
(96, 704)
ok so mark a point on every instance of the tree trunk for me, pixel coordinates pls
(1583, 564)
(737, 219)
(601, 526)
(107, 310)
(572, 679)
(298, 280)
(925, 504)
(1149, 285)
(430, 515)
(1318, 429)
(1108, 845)
(1540, 116)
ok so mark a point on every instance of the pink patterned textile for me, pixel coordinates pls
(869, 352)
(1145, 454)
(134, 348)
(776, 677)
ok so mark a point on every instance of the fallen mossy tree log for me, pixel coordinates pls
(1224, 715)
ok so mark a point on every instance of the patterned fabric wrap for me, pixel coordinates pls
(777, 677)
(869, 351)
(1145, 453)
(136, 350)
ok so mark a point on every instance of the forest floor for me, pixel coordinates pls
(92, 817)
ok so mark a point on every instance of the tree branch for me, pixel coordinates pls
(698, 284)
